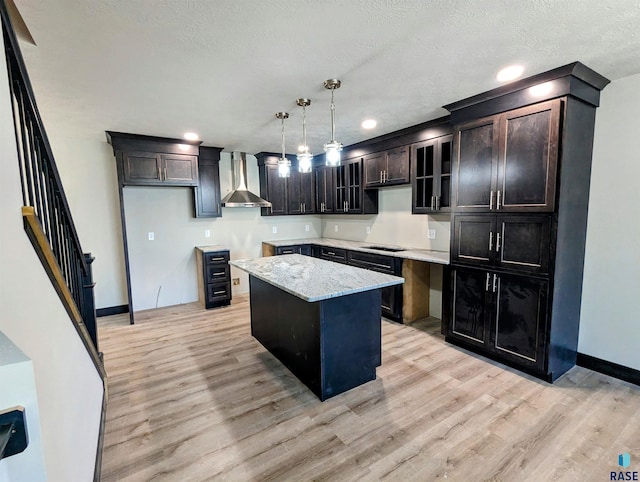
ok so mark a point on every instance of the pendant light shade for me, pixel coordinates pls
(284, 164)
(305, 157)
(333, 147)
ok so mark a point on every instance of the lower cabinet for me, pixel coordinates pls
(304, 249)
(502, 315)
(214, 277)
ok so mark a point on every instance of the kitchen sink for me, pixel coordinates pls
(384, 248)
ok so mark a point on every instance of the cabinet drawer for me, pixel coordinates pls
(333, 254)
(304, 249)
(375, 262)
(217, 273)
(217, 257)
(218, 292)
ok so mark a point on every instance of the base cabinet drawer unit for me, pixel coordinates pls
(214, 276)
(332, 254)
(304, 249)
(392, 296)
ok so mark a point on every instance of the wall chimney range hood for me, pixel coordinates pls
(241, 197)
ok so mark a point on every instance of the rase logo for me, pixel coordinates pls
(624, 461)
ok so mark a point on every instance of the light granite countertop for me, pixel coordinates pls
(314, 279)
(211, 248)
(430, 256)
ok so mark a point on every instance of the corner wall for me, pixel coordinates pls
(609, 326)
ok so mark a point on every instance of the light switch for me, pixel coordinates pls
(431, 234)
(207, 233)
(152, 236)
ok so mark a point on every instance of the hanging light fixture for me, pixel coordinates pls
(304, 155)
(284, 164)
(333, 147)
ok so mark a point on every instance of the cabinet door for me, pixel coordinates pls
(294, 193)
(207, 193)
(397, 166)
(391, 302)
(354, 185)
(475, 164)
(180, 169)
(423, 172)
(274, 189)
(528, 158)
(373, 166)
(469, 317)
(523, 242)
(341, 190)
(519, 326)
(474, 239)
(307, 193)
(443, 174)
(141, 168)
(324, 189)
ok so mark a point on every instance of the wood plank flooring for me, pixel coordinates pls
(192, 396)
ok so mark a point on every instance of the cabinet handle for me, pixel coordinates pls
(346, 206)
(165, 173)
(331, 253)
(384, 176)
(491, 201)
(304, 207)
(221, 273)
(322, 207)
(437, 203)
(223, 292)
(216, 259)
(497, 242)
(491, 241)
(495, 278)
(380, 177)
(432, 203)
(159, 174)
(486, 286)
(498, 201)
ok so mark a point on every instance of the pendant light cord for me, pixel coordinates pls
(333, 118)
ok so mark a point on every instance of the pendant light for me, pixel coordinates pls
(304, 155)
(284, 164)
(333, 147)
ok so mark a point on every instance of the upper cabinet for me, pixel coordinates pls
(431, 176)
(324, 179)
(154, 161)
(288, 196)
(350, 195)
(387, 168)
(507, 162)
(207, 193)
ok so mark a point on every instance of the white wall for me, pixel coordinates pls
(394, 224)
(163, 271)
(33, 318)
(609, 325)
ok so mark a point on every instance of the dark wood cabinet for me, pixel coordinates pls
(387, 168)
(207, 193)
(300, 193)
(519, 203)
(431, 176)
(214, 277)
(332, 254)
(288, 195)
(507, 241)
(274, 189)
(508, 161)
(324, 178)
(350, 195)
(179, 169)
(149, 168)
(501, 313)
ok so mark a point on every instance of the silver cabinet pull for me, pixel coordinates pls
(165, 173)
(491, 201)
(216, 259)
(331, 253)
(498, 201)
(437, 203)
(433, 203)
(221, 273)
(159, 174)
(491, 241)
(322, 207)
(384, 176)
(380, 177)
(497, 242)
(495, 278)
(486, 286)
(346, 203)
(220, 292)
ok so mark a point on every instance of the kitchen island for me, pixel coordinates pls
(320, 319)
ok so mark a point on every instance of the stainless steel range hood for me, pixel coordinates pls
(241, 197)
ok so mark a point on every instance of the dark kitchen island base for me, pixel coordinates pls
(331, 346)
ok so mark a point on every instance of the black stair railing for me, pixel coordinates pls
(46, 212)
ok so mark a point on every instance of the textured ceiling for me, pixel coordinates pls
(222, 68)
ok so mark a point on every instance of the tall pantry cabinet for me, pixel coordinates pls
(520, 191)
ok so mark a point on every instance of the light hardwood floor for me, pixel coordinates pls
(192, 396)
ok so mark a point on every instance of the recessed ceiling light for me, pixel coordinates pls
(510, 73)
(191, 136)
(369, 124)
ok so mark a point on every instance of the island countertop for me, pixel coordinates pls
(313, 279)
(427, 255)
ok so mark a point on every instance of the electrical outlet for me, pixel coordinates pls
(431, 234)
(151, 235)
(306, 227)
(207, 233)
(335, 228)
(274, 229)
(368, 229)
(236, 281)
